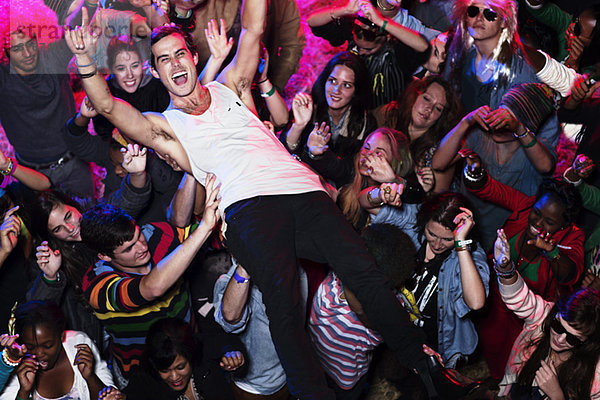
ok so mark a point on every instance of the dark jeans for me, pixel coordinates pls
(267, 234)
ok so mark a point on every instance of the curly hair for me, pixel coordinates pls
(564, 194)
(361, 100)
(399, 115)
(393, 250)
(582, 312)
(508, 45)
(401, 163)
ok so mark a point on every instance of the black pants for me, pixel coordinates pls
(267, 234)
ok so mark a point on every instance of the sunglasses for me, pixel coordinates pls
(488, 13)
(557, 327)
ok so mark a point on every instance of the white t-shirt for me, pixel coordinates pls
(229, 141)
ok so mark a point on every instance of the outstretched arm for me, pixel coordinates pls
(149, 129)
(239, 73)
(170, 269)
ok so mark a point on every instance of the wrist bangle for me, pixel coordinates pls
(522, 135)
(530, 144)
(88, 75)
(7, 360)
(505, 274)
(12, 165)
(574, 183)
(269, 93)
(376, 201)
(238, 278)
(44, 277)
(553, 254)
(470, 176)
(263, 81)
(83, 65)
(462, 243)
(382, 29)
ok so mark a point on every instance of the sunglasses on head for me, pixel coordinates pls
(557, 327)
(488, 13)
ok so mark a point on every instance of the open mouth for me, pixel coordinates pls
(130, 83)
(180, 78)
(43, 364)
(177, 384)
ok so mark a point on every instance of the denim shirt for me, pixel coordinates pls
(265, 373)
(456, 333)
(518, 172)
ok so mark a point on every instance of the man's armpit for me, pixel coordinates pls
(159, 133)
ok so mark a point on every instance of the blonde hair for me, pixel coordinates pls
(509, 43)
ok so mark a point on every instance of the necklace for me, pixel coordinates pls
(195, 395)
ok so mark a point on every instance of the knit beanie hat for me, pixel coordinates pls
(531, 103)
(60, 7)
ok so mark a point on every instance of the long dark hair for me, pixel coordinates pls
(361, 100)
(402, 115)
(582, 312)
(76, 256)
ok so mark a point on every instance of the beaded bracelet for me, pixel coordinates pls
(505, 274)
(522, 135)
(12, 165)
(8, 361)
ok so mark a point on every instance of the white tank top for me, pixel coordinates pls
(229, 141)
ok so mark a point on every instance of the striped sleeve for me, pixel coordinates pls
(112, 291)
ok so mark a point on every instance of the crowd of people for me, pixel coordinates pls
(238, 248)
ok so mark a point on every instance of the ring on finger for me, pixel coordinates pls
(387, 190)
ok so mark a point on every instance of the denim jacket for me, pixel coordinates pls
(456, 333)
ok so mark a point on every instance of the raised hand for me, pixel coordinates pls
(426, 178)
(10, 230)
(474, 163)
(501, 250)
(211, 215)
(26, 372)
(134, 158)
(80, 40)
(464, 223)
(547, 379)
(87, 109)
(15, 350)
(84, 360)
(216, 37)
(390, 193)
(302, 108)
(478, 116)
(232, 360)
(111, 393)
(48, 260)
(370, 12)
(543, 241)
(318, 139)
(501, 119)
(583, 166)
(378, 168)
